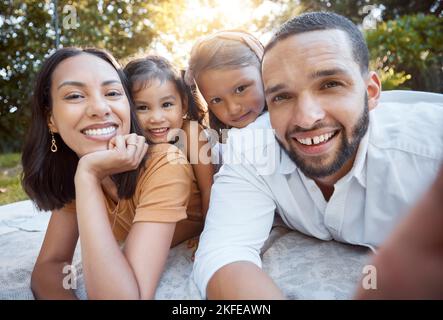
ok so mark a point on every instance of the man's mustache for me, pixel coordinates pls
(298, 129)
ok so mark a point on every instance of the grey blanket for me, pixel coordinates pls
(304, 267)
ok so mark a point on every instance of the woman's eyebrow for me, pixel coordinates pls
(81, 84)
(105, 83)
(71, 83)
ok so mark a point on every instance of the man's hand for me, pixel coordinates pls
(410, 264)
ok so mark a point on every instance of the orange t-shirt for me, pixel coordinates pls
(166, 191)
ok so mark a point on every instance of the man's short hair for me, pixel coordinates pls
(314, 21)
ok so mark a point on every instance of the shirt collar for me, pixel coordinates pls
(287, 166)
(358, 169)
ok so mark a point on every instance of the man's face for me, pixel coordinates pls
(318, 100)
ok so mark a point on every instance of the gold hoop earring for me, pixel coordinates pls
(53, 145)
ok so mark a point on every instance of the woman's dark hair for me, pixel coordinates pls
(141, 72)
(48, 177)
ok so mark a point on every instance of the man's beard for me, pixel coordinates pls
(312, 168)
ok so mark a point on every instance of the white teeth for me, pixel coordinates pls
(316, 139)
(100, 132)
(159, 130)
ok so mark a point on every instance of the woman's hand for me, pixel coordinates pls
(124, 154)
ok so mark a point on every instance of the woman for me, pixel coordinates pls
(84, 159)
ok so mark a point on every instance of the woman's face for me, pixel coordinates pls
(235, 96)
(159, 109)
(89, 104)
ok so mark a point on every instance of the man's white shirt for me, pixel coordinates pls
(396, 161)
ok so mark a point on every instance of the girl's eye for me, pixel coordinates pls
(331, 84)
(167, 105)
(240, 89)
(215, 101)
(141, 108)
(73, 96)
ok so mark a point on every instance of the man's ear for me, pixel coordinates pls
(373, 89)
(51, 124)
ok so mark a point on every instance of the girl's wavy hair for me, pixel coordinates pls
(48, 177)
(141, 72)
(222, 50)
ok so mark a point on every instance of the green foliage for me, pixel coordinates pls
(10, 185)
(392, 80)
(411, 45)
(11, 190)
(9, 160)
(22, 47)
(355, 10)
(122, 27)
(397, 8)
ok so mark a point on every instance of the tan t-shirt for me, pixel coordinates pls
(166, 191)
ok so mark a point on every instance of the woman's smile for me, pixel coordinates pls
(100, 132)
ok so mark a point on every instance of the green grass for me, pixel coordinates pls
(9, 160)
(13, 190)
(10, 186)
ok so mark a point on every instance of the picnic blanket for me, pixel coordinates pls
(304, 267)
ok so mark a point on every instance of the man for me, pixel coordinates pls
(345, 170)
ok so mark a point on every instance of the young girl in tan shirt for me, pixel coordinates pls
(168, 114)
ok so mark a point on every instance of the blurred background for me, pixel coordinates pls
(405, 39)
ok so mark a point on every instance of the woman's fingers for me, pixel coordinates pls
(112, 144)
(120, 143)
(141, 141)
(130, 150)
(124, 154)
(131, 145)
(135, 149)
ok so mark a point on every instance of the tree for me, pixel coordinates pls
(355, 10)
(411, 45)
(22, 48)
(397, 8)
